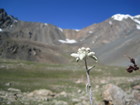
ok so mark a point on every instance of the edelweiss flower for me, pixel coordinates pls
(84, 53)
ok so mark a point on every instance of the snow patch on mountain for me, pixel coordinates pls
(60, 29)
(120, 17)
(90, 32)
(45, 24)
(138, 27)
(137, 21)
(110, 22)
(68, 41)
(137, 16)
(77, 30)
(1, 30)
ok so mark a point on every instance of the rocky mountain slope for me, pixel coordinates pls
(30, 41)
(114, 38)
(111, 40)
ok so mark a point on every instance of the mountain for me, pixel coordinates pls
(111, 39)
(114, 38)
(30, 41)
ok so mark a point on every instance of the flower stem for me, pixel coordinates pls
(88, 85)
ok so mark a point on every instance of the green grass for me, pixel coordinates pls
(23, 79)
(40, 75)
(33, 76)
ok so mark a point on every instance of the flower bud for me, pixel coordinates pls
(88, 49)
(83, 48)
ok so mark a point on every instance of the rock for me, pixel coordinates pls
(137, 87)
(79, 91)
(8, 84)
(97, 86)
(41, 92)
(63, 93)
(60, 102)
(78, 81)
(82, 103)
(136, 96)
(5, 19)
(113, 95)
(41, 95)
(14, 90)
(103, 81)
(75, 100)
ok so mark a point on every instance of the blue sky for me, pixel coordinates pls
(69, 14)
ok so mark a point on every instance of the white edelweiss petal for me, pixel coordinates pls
(94, 57)
(88, 49)
(75, 55)
(79, 50)
(91, 54)
(82, 56)
(77, 59)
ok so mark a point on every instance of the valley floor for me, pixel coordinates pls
(28, 83)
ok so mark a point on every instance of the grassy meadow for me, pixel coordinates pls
(69, 79)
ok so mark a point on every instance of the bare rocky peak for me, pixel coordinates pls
(6, 20)
(70, 34)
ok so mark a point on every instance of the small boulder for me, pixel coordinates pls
(14, 90)
(41, 92)
(113, 95)
(137, 87)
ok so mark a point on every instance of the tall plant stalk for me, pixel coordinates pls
(83, 54)
(88, 85)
